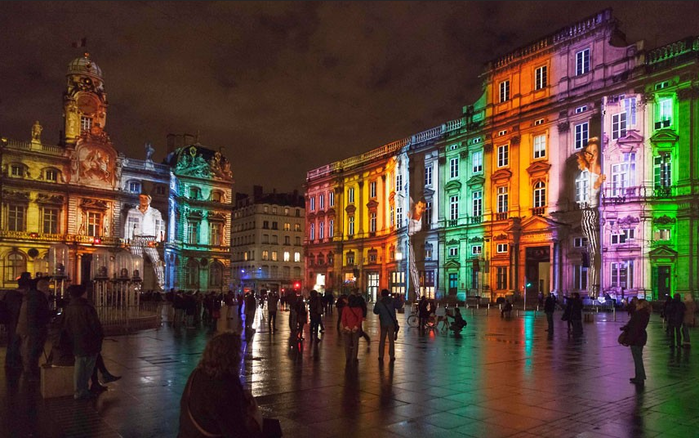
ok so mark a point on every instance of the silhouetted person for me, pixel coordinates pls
(549, 308)
(272, 306)
(13, 300)
(675, 320)
(576, 308)
(32, 326)
(637, 338)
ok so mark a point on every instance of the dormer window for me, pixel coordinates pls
(216, 196)
(85, 124)
(51, 175)
(195, 193)
(135, 186)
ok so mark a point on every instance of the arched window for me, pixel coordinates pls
(15, 264)
(216, 274)
(539, 194)
(192, 274)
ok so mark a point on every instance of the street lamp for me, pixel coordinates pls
(58, 273)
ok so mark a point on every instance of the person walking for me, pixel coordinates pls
(85, 330)
(637, 337)
(675, 319)
(690, 310)
(301, 317)
(32, 326)
(665, 314)
(549, 308)
(272, 305)
(386, 309)
(352, 317)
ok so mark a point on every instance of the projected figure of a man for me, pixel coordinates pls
(589, 161)
(414, 227)
(144, 228)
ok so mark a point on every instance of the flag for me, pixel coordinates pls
(81, 43)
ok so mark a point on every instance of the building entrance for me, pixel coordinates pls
(372, 285)
(664, 282)
(537, 277)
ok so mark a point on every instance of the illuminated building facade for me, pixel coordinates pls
(521, 199)
(267, 241)
(79, 193)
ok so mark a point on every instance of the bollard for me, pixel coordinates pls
(614, 313)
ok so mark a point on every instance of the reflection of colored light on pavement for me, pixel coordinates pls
(528, 322)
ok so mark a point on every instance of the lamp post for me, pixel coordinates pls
(58, 273)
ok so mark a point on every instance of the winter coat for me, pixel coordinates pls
(83, 326)
(637, 335)
(386, 309)
(34, 315)
(352, 318)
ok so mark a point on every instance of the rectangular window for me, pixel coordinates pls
(321, 231)
(502, 248)
(398, 283)
(134, 187)
(51, 220)
(275, 239)
(477, 204)
(312, 232)
(312, 203)
(618, 125)
(399, 216)
(623, 235)
(622, 274)
(428, 175)
(265, 238)
(215, 233)
(331, 228)
(331, 198)
(350, 228)
(52, 175)
(372, 189)
(16, 170)
(662, 234)
(392, 215)
(274, 256)
(372, 222)
(502, 278)
(582, 134)
(503, 155)
(16, 218)
(579, 277)
(297, 256)
(94, 224)
(372, 256)
(428, 214)
(350, 258)
(579, 242)
(477, 161)
(85, 124)
(297, 240)
(664, 113)
(350, 195)
(581, 109)
(287, 226)
(453, 208)
(454, 168)
(287, 256)
(582, 185)
(504, 91)
(265, 225)
(540, 78)
(453, 251)
(399, 182)
(476, 250)
(540, 146)
(265, 255)
(321, 201)
(192, 232)
(623, 174)
(582, 62)
(502, 200)
(662, 171)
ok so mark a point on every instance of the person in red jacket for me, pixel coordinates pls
(352, 317)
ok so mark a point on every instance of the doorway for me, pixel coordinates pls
(664, 284)
(537, 272)
(372, 285)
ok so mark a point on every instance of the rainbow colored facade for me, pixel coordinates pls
(507, 200)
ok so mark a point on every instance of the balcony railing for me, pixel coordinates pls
(538, 211)
(501, 216)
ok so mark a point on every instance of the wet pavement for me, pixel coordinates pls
(501, 378)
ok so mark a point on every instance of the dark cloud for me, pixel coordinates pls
(283, 87)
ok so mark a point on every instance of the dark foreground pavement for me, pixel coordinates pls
(502, 378)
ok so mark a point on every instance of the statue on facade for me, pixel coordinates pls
(589, 162)
(36, 132)
(149, 152)
(143, 230)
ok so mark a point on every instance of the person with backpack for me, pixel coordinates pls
(386, 309)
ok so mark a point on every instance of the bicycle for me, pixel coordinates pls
(413, 319)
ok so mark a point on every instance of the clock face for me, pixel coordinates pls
(87, 105)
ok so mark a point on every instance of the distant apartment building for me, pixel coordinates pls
(267, 241)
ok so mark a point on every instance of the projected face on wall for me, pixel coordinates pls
(589, 164)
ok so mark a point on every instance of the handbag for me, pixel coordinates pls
(624, 337)
(397, 327)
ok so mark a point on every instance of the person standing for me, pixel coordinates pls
(352, 317)
(386, 309)
(690, 309)
(637, 337)
(13, 300)
(85, 330)
(675, 319)
(250, 309)
(315, 306)
(549, 308)
(32, 326)
(340, 304)
(301, 317)
(576, 308)
(362, 303)
(423, 313)
(272, 305)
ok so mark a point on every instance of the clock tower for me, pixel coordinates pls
(84, 102)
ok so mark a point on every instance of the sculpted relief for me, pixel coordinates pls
(94, 164)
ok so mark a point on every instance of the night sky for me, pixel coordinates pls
(283, 87)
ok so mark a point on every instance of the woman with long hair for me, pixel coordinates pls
(214, 402)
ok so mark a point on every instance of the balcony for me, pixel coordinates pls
(476, 219)
(662, 191)
(501, 216)
(452, 223)
(538, 211)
